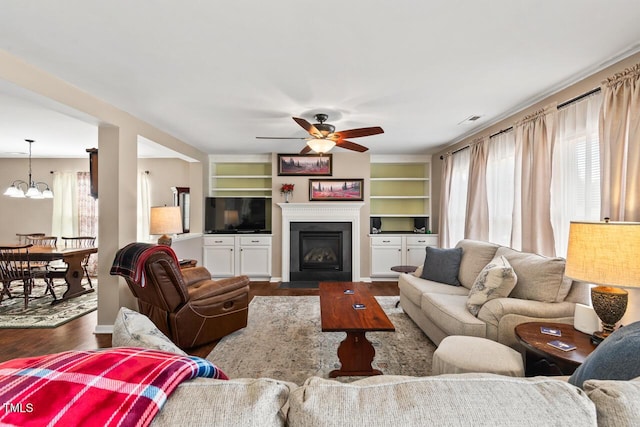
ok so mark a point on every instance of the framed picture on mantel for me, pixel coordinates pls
(305, 165)
(336, 189)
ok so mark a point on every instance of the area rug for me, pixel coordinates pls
(283, 340)
(40, 313)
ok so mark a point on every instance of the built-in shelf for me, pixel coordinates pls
(400, 190)
(242, 176)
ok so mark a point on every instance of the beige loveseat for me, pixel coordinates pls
(541, 293)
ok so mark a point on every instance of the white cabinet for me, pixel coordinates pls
(385, 253)
(218, 256)
(415, 248)
(391, 250)
(255, 256)
(234, 255)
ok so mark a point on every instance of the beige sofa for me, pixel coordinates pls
(455, 400)
(445, 400)
(541, 293)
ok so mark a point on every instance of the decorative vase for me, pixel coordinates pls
(286, 196)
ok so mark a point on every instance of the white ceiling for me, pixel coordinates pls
(218, 74)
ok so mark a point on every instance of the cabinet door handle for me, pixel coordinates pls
(217, 241)
(422, 241)
(255, 241)
(399, 250)
(386, 241)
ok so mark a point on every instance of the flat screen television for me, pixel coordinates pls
(236, 214)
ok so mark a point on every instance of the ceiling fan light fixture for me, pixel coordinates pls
(321, 146)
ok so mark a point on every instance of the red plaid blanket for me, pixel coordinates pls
(122, 386)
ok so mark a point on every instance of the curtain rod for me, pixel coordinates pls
(579, 97)
(564, 104)
(459, 149)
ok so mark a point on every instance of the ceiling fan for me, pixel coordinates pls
(324, 136)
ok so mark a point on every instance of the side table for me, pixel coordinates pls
(403, 269)
(543, 359)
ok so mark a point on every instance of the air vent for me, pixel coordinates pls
(470, 119)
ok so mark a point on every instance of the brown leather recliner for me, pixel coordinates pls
(186, 305)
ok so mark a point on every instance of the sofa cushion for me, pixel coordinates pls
(464, 399)
(413, 288)
(239, 402)
(617, 402)
(540, 278)
(442, 265)
(616, 358)
(496, 280)
(475, 256)
(449, 313)
(132, 329)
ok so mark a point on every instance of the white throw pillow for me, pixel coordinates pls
(132, 329)
(496, 280)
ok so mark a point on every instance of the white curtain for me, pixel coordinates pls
(575, 182)
(457, 206)
(500, 186)
(144, 207)
(65, 204)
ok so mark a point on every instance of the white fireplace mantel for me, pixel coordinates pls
(321, 212)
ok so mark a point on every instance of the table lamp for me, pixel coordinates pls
(605, 254)
(165, 220)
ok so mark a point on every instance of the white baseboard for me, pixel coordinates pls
(103, 329)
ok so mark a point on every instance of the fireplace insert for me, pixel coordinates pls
(320, 251)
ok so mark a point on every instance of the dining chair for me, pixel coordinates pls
(15, 266)
(22, 237)
(81, 242)
(42, 268)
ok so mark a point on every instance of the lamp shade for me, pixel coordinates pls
(321, 146)
(165, 220)
(604, 253)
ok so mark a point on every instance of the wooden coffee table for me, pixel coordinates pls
(543, 359)
(338, 315)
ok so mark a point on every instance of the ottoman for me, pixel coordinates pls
(458, 354)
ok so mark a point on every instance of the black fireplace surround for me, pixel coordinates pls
(320, 251)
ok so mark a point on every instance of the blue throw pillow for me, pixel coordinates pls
(616, 358)
(442, 265)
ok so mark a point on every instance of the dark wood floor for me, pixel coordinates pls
(78, 334)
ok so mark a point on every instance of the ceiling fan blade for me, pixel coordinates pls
(351, 146)
(305, 150)
(357, 133)
(279, 137)
(308, 127)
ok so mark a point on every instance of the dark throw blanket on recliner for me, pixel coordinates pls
(129, 261)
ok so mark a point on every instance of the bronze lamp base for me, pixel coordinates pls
(610, 305)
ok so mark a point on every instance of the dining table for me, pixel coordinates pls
(73, 258)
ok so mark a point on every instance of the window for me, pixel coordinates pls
(500, 186)
(458, 195)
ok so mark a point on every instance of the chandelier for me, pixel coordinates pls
(33, 189)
